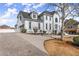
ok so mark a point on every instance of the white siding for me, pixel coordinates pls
(19, 22)
(52, 22)
(33, 24)
(48, 22)
(58, 23)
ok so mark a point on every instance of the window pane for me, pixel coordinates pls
(46, 26)
(29, 25)
(50, 26)
(56, 20)
(34, 16)
(55, 26)
(46, 17)
(20, 18)
(50, 18)
(39, 25)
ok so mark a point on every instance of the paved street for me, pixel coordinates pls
(12, 44)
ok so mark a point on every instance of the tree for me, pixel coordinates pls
(69, 22)
(66, 9)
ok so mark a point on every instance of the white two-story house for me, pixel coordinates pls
(46, 21)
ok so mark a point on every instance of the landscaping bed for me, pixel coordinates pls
(56, 47)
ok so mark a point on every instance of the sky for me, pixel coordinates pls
(9, 11)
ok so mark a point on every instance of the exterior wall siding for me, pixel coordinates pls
(19, 23)
(58, 23)
(33, 24)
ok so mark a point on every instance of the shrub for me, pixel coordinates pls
(40, 30)
(76, 40)
(59, 33)
(23, 30)
(35, 29)
(44, 32)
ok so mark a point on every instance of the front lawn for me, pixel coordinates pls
(61, 48)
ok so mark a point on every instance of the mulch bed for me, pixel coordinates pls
(56, 47)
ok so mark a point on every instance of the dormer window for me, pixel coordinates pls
(34, 16)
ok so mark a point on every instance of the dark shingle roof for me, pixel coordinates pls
(47, 12)
(25, 14)
(28, 17)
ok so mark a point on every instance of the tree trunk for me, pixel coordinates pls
(62, 28)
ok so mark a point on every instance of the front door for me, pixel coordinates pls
(55, 32)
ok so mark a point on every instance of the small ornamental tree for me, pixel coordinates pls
(23, 30)
(35, 29)
(76, 40)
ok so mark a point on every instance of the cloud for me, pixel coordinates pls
(5, 21)
(32, 6)
(8, 4)
(7, 17)
(23, 3)
(76, 18)
(27, 10)
(9, 12)
(26, 4)
(13, 10)
(38, 5)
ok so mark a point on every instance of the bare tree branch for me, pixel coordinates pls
(69, 13)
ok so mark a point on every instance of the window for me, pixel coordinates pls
(59, 27)
(59, 20)
(39, 25)
(20, 18)
(71, 27)
(34, 16)
(56, 20)
(46, 26)
(46, 17)
(29, 25)
(50, 18)
(50, 26)
(55, 26)
(55, 31)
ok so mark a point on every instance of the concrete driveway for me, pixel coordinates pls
(13, 44)
(36, 40)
